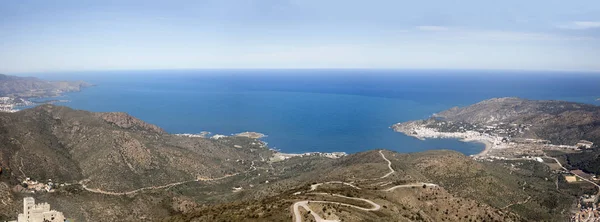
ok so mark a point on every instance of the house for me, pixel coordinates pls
(589, 198)
(584, 144)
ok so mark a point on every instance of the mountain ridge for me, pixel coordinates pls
(560, 122)
(116, 167)
(31, 87)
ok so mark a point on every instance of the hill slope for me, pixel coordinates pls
(429, 186)
(560, 122)
(118, 168)
(27, 87)
(111, 151)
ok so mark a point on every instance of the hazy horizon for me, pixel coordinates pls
(307, 71)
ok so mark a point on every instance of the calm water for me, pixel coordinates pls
(314, 110)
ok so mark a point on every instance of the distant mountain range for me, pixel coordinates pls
(30, 87)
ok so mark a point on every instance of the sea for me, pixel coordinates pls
(315, 110)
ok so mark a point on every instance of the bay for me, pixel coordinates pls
(314, 110)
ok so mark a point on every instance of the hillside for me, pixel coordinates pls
(111, 151)
(30, 87)
(560, 122)
(430, 186)
(114, 167)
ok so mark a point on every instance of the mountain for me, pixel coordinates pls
(114, 167)
(30, 87)
(112, 151)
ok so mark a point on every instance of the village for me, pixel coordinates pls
(33, 186)
(7, 105)
(502, 143)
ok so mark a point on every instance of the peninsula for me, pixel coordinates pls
(513, 127)
(18, 91)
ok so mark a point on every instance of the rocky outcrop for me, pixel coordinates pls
(126, 121)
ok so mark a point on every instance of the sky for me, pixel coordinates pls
(81, 35)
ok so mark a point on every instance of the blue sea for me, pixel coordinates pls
(315, 110)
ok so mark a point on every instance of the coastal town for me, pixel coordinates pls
(500, 140)
(9, 104)
(12, 104)
(503, 144)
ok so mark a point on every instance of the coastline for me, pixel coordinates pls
(278, 156)
(275, 157)
(416, 130)
(488, 146)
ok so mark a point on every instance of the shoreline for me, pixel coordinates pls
(415, 130)
(275, 157)
(488, 146)
(279, 156)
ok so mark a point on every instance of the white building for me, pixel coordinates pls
(38, 212)
(584, 144)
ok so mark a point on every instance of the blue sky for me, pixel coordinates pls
(39, 36)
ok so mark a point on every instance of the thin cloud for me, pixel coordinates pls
(432, 28)
(521, 36)
(500, 35)
(581, 25)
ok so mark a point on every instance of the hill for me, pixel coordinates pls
(114, 167)
(560, 122)
(111, 151)
(429, 186)
(30, 87)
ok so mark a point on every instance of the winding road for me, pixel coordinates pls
(297, 216)
(304, 204)
(389, 166)
(82, 183)
(198, 179)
